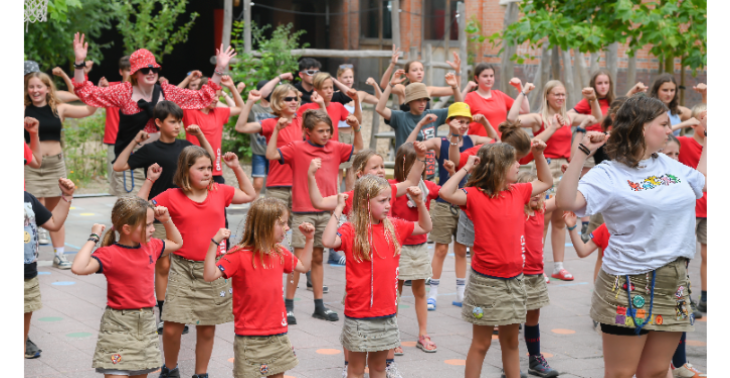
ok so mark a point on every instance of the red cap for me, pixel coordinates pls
(142, 58)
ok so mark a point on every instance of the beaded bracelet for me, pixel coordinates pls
(214, 242)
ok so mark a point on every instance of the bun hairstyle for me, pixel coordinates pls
(514, 135)
(131, 211)
(312, 117)
(490, 175)
(627, 144)
(258, 233)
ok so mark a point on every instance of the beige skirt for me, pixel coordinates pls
(43, 182)
(262, 356)
(537, 292)
(127, 341)
(32, 295)
(191, 300)
(494, 302)
(670, 311)
(370, 335)
(414, 263)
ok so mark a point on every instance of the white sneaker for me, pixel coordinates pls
(687, 371)
(43, 237)
(344, 372)
(391, 371)
(60, 262)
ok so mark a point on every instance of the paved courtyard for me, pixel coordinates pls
(66, 327)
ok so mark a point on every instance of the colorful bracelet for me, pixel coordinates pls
(573, 228)
(152, 181)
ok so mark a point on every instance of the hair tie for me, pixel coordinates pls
(111, 228)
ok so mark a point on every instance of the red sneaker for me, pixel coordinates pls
(563, 275)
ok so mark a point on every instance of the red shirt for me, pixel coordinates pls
(120, 96)
(211, 125)
(495, 109)
(534, 226)
(600, 236)
(583, 107)
(465, 155)
(280, 174)
(197, 222)
(558, 146)
(498, 249)
(27, 154)
(299, 155)
(130, 273)
(348, 202)
(254, 311)
(401, 210)
(111, 125)
(335, 110)
(689, 155)
(375, 280)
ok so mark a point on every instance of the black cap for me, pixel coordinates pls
(261, 84)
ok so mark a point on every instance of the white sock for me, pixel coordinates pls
(557, 267)
(58, 251)
(460, 287)
(434, 292)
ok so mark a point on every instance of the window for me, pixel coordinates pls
(369, 20)
(434, 12)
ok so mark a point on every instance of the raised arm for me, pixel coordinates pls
(57, 71)
(153, 173)
(526, 120)
(423, 226)
(210, 270)
(429, 118)
(83, 264)
(227, 82)
(31, 126)
(701, 88)
(75, 111)
(242, 124)
(590, 95)
(330, 239)
(80, 50)
(450, 190)
(60, 212)
(221, 62)
(352, 93)
(544, 177)
(271, 84)
(121, 164)
(357, 142)
(195, 131)
(388, 71)
(173, 239)
(567, 196)
(470, 85)
(578, 137)
(702, 164)
(491, 133)
(582, 249)
(416, 172)
(638, 87)
(194, 75)
(517, 84)
(245, 192)
(272, 152)
(372, 99)
(328, 203)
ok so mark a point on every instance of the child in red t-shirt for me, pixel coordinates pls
(255, 267)
(129, 267)
(599, 240)
(535, 283)
(415, 264)
(197, 206)
(298, 155)
(372, 244)
(322, 99)
(495, 203)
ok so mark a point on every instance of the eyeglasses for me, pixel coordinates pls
(290, 99)
(346, 66)
(311, 72)
(146, 70)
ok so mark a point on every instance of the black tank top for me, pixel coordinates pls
(50, 125)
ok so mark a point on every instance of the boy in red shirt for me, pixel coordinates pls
(298, 155)
(322, 99)
(372, 245)
(255, 268)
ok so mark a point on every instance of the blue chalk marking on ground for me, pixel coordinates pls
(568, 244)
(43, 273)
(64, 283)
(72, 246)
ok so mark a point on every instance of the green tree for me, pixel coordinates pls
(50, 43)
(673, 27)
(144, 27)
(275, 59)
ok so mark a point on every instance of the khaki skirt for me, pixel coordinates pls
(494, 302)
(370, 335)
(414, 263)
(191, 300)
(670, 311)
(43, 182)
(127, 342)
(262, 356)
(537, 292)
(32, 295)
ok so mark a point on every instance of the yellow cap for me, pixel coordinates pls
(459, 109)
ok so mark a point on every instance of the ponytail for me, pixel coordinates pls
(109, 238)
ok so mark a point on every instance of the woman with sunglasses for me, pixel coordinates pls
(137, 99)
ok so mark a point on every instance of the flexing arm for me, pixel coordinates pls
(381, 108)
(413, 136)
(526, 120)
(329, 203)
(388, 71)
(194, 75)
(271, 84)
(221, 62)
(60, 212)
(702, 164)
(173, 239)
(210, 270)
(424, 225)
(57, 71)
(83, 264)
(582, 249)
(242, 126)
(305, 258)
(31, 126)
(153, 173)
(416, 172)
(272, 152)
(245, 192)
(195, 131)
(544, 177)
(450, 190)
(330, 239)
(238, 106)
(491, 133)
(121, 164)
(567, 196)
(368, 98)
(75, 111)
(701, 88)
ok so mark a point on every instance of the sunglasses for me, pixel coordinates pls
(290, 99)
(346, 65)
(147, 70)
(311, 72)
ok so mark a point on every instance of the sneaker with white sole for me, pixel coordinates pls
(391, 371)
(539, 366)
(687, 371)
(43, 237)
(61, 262)
(31, 350)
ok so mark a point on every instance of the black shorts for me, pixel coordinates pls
(620, 331)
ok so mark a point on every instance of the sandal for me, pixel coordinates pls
(563, 275)
(425, 344)
(431, 304)
(398, 351)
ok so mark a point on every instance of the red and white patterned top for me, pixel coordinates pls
(120, 96)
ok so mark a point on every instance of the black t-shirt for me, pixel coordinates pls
(165, 155)
(306, 95)
(341, 98)
(35, 215)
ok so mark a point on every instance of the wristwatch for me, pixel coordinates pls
(580, 130)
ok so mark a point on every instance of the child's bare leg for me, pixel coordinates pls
(419, 292)
(509, 343)
(171, 334)
(356, 366)
(203, 347)
(376, 363)
(481, 340)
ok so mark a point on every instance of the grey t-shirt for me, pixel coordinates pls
(259, 113)
(404, 122)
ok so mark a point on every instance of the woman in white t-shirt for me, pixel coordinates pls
(641, 296)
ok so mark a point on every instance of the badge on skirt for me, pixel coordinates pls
(478, 312)
(116, 358)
